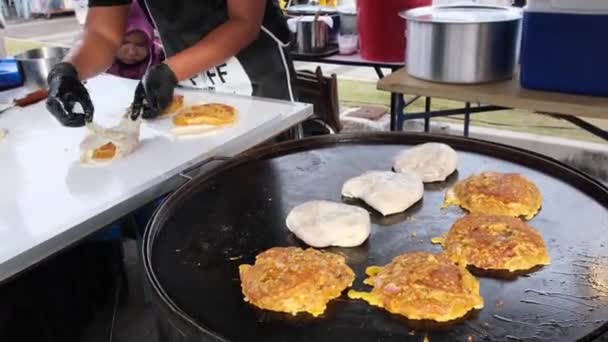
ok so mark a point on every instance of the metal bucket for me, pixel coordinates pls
(37, 63)
(312, 36)
(462, 44)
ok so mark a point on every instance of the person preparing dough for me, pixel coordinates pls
(234, 46)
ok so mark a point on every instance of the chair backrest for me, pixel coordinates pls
(322, 92)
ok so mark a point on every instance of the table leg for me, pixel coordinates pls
(396, 112)
(427, 109)
(467, 118)
(379, 72)
(589, 127)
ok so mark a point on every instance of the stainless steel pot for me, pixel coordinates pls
(37, 63)
(312, 35)
(462, 43)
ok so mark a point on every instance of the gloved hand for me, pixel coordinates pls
(154, 92)
(65, 90)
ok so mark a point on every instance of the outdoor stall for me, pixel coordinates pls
(197, 272)
(391, 236)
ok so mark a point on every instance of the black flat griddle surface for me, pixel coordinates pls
(212, 226)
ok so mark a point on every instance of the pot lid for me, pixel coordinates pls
(462, 14)
(348, 9)
(310, 10)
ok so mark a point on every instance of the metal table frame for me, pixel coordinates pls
(545, 103)
(398, 102)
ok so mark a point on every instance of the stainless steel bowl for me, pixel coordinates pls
(37, 63)
(462, 43)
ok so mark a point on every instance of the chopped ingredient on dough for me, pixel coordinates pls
(421, 286)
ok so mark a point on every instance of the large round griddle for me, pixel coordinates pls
(218, 221)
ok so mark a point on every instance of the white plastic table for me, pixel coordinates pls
(49, 200)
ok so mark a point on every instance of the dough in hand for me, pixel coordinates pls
(432, 162)
(386, 191)
(324, 223)
(104, 145)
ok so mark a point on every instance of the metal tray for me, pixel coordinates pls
(197, 239)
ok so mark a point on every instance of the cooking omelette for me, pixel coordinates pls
(422, 286)
(495, 242)
(496, 193)
(293, 280)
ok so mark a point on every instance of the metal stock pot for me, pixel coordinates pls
(463, 43)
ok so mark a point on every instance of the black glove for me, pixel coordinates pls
(154, 92)
(65, 90)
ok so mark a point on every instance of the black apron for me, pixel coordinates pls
(262, 69)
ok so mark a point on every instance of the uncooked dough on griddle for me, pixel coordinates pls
(432, 162)
(125, 136)
(386, 191)
(324, 223)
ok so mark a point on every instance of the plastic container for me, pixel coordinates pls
(348, 19)
(10, 77)
(565, 47)
(81, 8)
(382, 30)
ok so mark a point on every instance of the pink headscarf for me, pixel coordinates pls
(138, 21)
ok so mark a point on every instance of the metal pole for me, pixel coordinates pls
(467, 118)
(427, 119)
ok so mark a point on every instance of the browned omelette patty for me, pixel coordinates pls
(496, 193)
(215, 114)
(292, 280)
(422, 286)
(495, 242)
(177, 103)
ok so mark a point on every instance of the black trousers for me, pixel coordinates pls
(55, 300)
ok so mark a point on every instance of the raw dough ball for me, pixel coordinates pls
(432, 162)
(386, 191)
(324, 223)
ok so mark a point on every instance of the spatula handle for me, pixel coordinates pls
(32, 97)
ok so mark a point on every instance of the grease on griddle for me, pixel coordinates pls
(535, 302)
(566, 296)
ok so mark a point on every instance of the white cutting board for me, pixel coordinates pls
(50, 200)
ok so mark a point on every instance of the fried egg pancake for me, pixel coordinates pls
(496, 193)
(493, 242)
(215, 114)
(293, 280)
(422, 286)
(176, 104)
